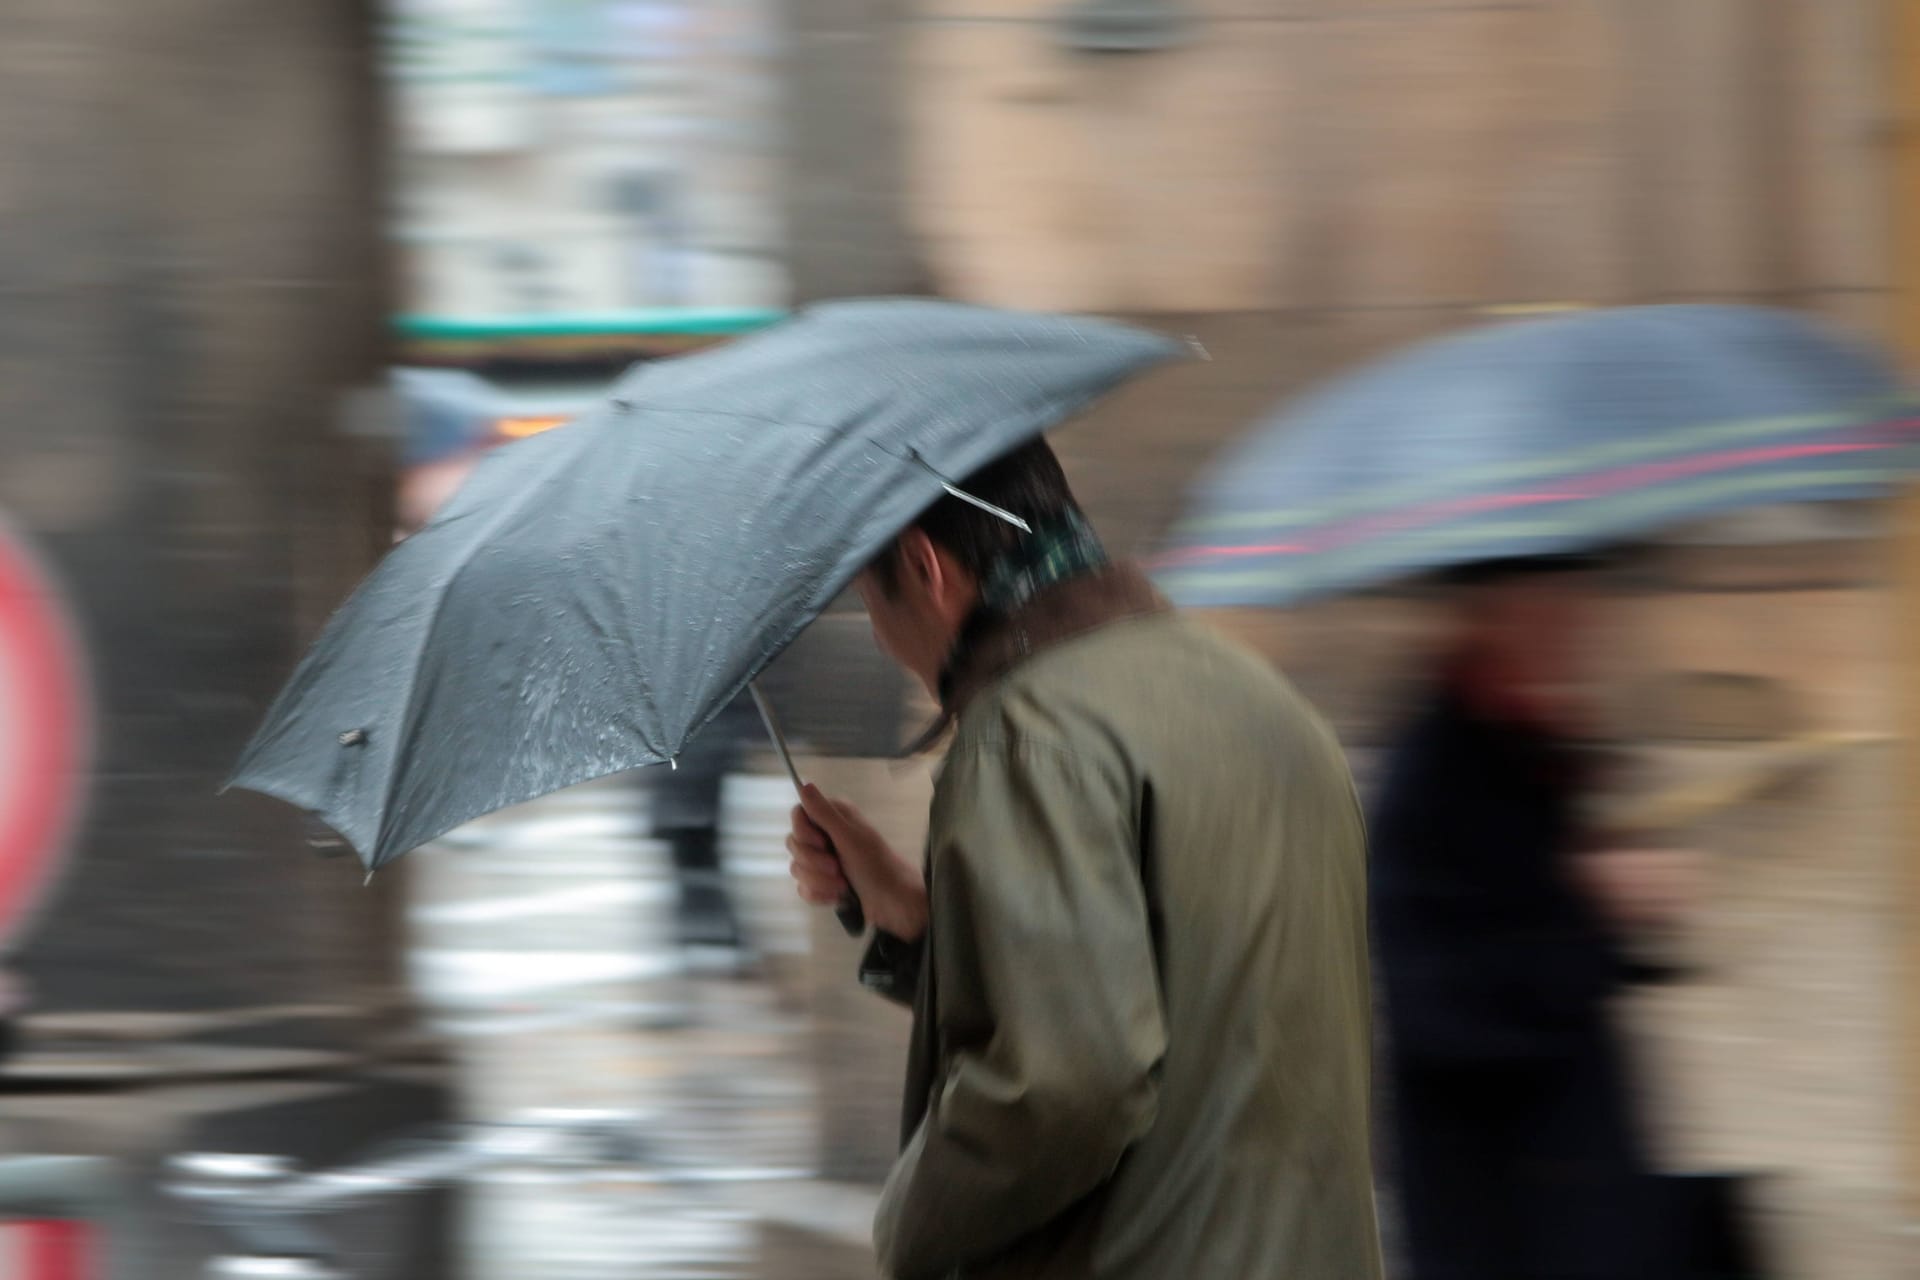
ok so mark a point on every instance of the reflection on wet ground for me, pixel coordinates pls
(541, 943)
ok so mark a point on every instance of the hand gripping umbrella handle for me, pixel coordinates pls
(851, 915)
(848, 911)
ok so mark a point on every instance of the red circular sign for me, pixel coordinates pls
(45, 714)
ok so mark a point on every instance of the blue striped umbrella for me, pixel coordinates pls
(1540, 437)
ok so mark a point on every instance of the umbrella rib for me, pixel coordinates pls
(916, 456)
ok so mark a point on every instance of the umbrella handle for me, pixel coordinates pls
(848, 911)
(851, 915)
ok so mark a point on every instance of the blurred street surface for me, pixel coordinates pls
(541, 944)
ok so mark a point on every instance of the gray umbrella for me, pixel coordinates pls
(1541, 437)
(595, 594)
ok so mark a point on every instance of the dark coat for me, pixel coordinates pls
(1517, 1147)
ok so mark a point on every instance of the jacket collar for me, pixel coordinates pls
(991, 643)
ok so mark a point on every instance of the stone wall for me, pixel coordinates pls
(1326, 155)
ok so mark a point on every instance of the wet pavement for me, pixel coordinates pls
(542, 946)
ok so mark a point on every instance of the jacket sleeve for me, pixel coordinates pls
(890, 968)
(1050, 1015)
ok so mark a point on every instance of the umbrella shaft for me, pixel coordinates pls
(773, 731)
(852, 916)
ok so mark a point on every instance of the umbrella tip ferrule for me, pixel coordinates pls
(1198, 348)
(673, 764)
(368, 880)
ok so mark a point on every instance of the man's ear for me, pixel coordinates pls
(920, 561)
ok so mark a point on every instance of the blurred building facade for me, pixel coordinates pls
(185, 316)
(585, 156)
(193, 278)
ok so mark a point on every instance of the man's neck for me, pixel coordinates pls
(993, 642)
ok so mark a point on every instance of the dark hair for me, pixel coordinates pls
(1028, 482)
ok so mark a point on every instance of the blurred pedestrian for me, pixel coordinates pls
(1501, 933)
(686, 815)
(1137, 958)
(448, 422)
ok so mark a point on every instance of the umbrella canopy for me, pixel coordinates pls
(594, 594)
(1537, 438)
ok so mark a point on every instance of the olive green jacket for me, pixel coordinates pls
(1141, 1008)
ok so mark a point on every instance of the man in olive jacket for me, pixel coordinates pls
(1137, 956)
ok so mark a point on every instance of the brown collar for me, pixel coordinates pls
(992, 644)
